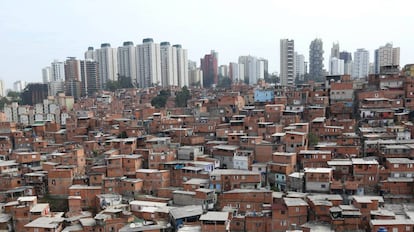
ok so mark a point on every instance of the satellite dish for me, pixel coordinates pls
(132, 225)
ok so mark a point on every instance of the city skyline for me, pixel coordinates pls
(34, 35)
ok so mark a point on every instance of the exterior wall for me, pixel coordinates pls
(153, 180)
(87, 195)
(232, 181)
(246, 201)
(59, 181)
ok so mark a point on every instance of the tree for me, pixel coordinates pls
(13, 95)
(165, 93)
(273, 78)
(112, 85)
(182, 97)
(159, 101)
(4, 101)
(124, 82)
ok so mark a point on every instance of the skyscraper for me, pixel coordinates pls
(90, 54)
(336, 66)
(347, 58)
(57, 71)
(195, 75)
(57, 76)
(18, 86)
(316, 71)
(300, 67)
(2, 89)
(265, 67)
(287, 62)
(335, 50)
(360, 68)
(234, 72)
(253, 69)
(223, 70)
(89, 77)
(209, 67)
(108, 65)
(386, 56)
(182, 65)
(72, 77)
(46, 75)
(168, 59)
(126, 61)
(34, 93)
(149, 63)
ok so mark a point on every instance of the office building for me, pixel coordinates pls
(287, 62)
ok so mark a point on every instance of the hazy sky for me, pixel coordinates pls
(34, 33)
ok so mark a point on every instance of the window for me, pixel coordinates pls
(396, 165)
(323, 185)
